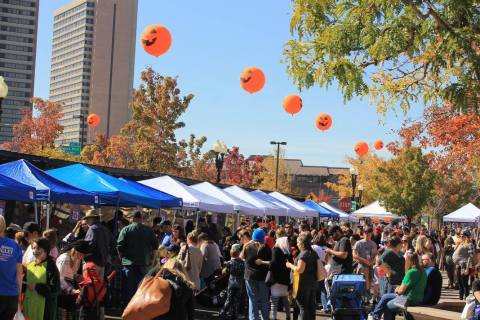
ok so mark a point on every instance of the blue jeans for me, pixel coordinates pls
(131, 277)
(386, 307)
(322, 295)
(257, 292)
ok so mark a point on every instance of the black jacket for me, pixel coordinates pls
(182, 305)
(280, 272)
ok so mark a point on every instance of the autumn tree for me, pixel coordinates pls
(156, 108)
(367, 168)
(394, 52)
(267, 176)
(241, 171)
(192, 162)
(37, 134)
(452, 142)
(113, 152)
(405, 182)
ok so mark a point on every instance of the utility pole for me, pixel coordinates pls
(278, 144)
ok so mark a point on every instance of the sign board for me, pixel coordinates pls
(345, 204)
(354, 205)
(74, 148)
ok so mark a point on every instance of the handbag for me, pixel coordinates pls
(270, 279)
(152, 299)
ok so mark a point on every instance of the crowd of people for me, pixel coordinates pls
(274, 267)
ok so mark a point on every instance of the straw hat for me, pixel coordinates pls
(92, 213)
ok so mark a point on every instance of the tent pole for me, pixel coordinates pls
(36, 211)
(48, 216)
(196, 223)
(115, 219)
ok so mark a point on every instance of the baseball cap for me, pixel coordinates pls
(368, 230)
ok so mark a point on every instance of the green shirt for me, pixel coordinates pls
(136, 243)
(416, 281)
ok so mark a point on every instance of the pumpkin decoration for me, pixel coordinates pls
(252, 79)
(323, 121)
(378, 145)
(93, 120)
(292, 104)
(361, 148)
(156, 40)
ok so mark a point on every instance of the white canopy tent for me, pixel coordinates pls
(467, 213)
(343, 215)
(289, 211)
(374, 210)
(192, 198)
(305, 211)
(267, 208)
(238, 204)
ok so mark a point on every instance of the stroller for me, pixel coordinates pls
(346, 297)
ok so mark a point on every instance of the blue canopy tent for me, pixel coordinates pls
(47, 187)
(322, 212)
(16, 191)
(168, 201)
(112, 191)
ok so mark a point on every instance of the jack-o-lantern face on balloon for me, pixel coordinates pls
(378, 145)
(323, 121)
(156, 40)
(361, 148)
(93, 120)
(252, 79)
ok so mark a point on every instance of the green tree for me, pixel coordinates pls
(394, 51)
(405, 182)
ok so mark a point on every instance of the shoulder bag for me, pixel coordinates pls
(152, 299)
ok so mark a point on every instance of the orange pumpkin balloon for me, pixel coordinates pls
(156, 40)
(292, 104)
(378, 145)
(361, 148)
(93, 120)
(252, 79)
(323, 121)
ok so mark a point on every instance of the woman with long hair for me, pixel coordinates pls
(280, 275)
(306, 265)
(182, 305)
(421, 245)
(411, 290)
(68, 264)
(463, 259)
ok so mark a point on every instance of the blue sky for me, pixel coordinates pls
(213, 41)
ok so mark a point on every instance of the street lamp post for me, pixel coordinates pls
(3, 94)
(360, 193)
(278, 144)
(354, 174)
(221, 150)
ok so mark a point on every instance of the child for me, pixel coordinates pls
(235, 269)
(379, 278)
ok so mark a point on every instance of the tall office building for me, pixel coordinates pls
(93, 60)
(18, 39)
